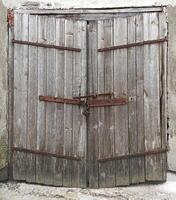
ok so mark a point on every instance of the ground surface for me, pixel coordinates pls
(22, 191)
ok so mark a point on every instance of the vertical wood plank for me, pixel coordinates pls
(50, 108)
(59, 137)
(82, 147)
(151, 98)
(163, 89)
(101, 111)
(42, 85)
(93, 115)
(20, 95)
(68, 110)
(78, 168)
(76, 91)
(10, 97)
(108, 169)
(32, 100)
(121, 112)
(140, 96)
(132, 115)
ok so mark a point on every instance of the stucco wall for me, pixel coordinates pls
(172, 88)
(3, 93)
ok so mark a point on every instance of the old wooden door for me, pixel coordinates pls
(127, 142)
(89, 99)
(49, 139)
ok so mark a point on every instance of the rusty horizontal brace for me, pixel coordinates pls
(59, 100)
(133, 45)
(107, 102)
(36, 44)
(94, 95)
(38, 152)
(138, 154)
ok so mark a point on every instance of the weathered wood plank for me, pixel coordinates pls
(120, 90)
(77, 65)
(42, 86)
(59, 134)
(132, 115)
(10, 98)
(140, 96)
(32, 100)
(151, 99)
(68, 109)
(163, 89)
(50, 108)
(101, 111)
(20, 95)
(93, 115)
(108, 138)
(94, 11)
(79, 134)
(82, 149)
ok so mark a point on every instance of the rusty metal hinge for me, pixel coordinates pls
(76, 158)
(36, 44)
(142, 43)
(10, 17)
(138, 154)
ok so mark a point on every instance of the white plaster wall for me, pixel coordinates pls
(88, 3)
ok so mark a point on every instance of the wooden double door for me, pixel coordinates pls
(89, 100)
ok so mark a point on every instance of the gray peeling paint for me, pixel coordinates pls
(172, 87)
(3, 93)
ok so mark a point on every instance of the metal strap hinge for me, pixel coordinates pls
(138, 154)
(38, 152)
(135, 44)
(36, 44)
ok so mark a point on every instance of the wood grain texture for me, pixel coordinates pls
(32, 100)
(140, 96)
(93, 115)
(163, 89)
(68, 109)
(20, 95)
(151, 98)
(42, 86)
(59, 132)
(101, 111)
(107, 170)
(50, 108)
(132, 112)
(121, 113)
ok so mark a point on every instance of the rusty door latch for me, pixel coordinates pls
(86, 102)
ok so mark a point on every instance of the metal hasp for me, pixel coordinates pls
(36, 44)
(107, 102)
(95, 95)
(136, 44)
(138, 154)
(87, 103)
(45, 153)
(60, 100)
